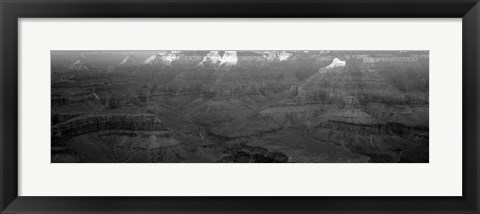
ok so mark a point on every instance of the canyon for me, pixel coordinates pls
(252, 106)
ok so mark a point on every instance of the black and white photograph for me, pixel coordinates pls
(239, 106)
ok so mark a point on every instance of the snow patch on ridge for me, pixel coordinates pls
(163, 58)
(172, 56)
(126, 60)
(154, 59)
(228, 59)
(276, 56)
(336, 63)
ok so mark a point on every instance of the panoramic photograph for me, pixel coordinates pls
(239, 106)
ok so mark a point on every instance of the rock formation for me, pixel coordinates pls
(130, 61)
(78, 66)
(219, 59)
(353, 114)
(276, 56)
(335, 63)
(361, 133)
(338, 80)
(94, 123)
(163, 58)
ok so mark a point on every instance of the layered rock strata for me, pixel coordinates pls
(94, 123)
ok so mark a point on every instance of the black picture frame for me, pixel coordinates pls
(12, 10)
